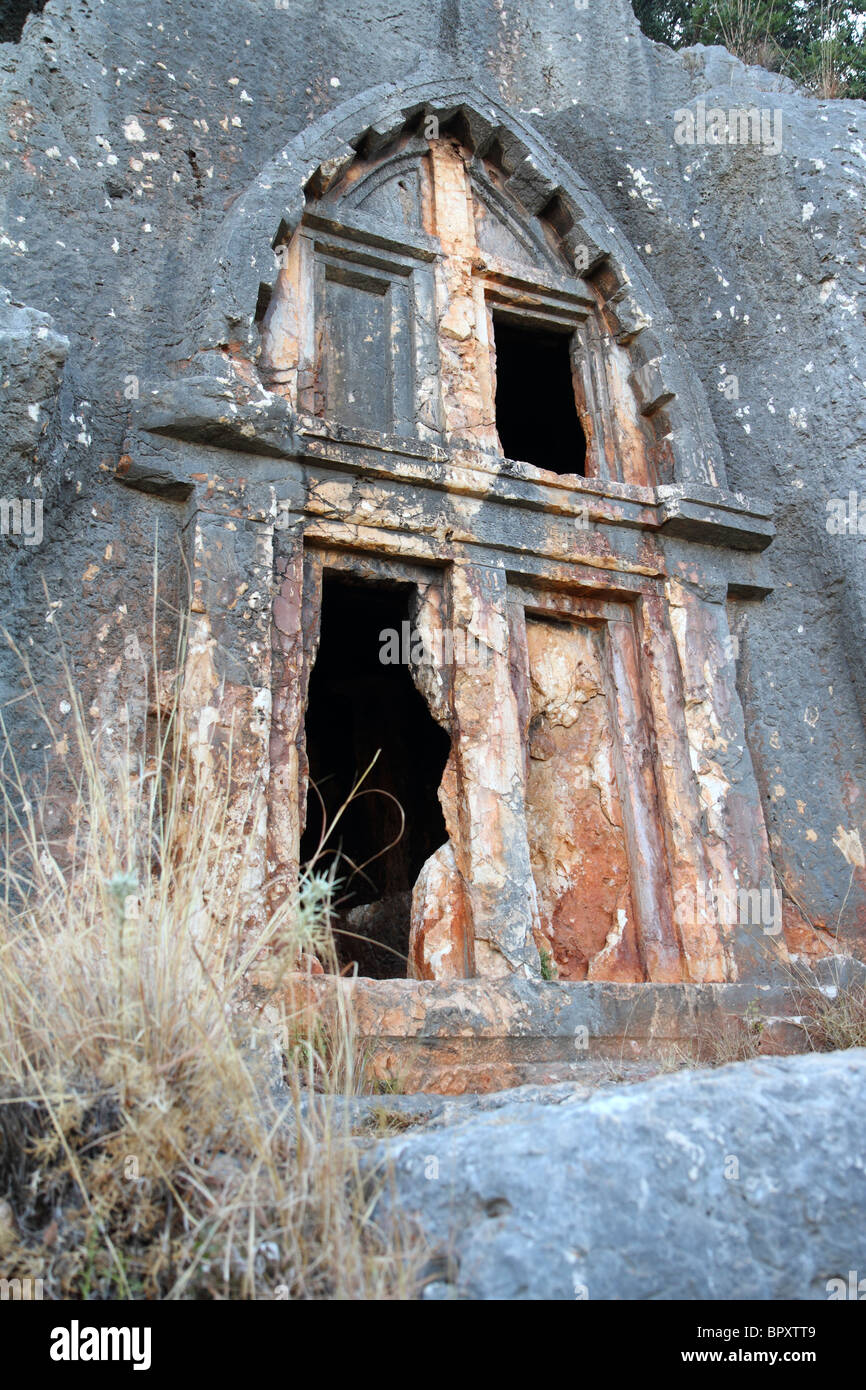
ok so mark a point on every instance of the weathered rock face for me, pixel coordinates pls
(742, 1183)
(437, 938)
(32, 354)
(576, 837)
(281, 248)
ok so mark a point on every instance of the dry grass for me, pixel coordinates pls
(746, 32)
(829, 80)
(144, 1150)
(833, 1015)
(735, 1040)
(715, 1045)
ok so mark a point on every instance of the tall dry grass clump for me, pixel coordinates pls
(832, 1013)
(163, 1132)
(747, 31)
(815, 49)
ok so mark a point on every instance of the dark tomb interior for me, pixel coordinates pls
(359, 705)
(536, 415)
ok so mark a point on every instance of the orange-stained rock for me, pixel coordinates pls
(467, 384)
(454, 1036)
(491, 850)
(438, 936)
(574, 817)
(309, 964)
(680, 805)
(801, 938)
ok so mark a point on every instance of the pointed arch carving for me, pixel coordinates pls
(363, 161)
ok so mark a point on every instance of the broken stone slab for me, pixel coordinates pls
(742, 1183)
(217, 406)
(650, 387)
(156, 470)
(695, 512)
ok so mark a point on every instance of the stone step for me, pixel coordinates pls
(482, 1035)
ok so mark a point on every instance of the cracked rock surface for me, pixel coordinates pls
(746, 1182)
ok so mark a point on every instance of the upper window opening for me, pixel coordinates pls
(536, 415)
(379, 321)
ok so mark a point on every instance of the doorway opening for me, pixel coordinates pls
(15, 16)
(536, 414)
(359, 705)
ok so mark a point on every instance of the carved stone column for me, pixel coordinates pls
(225, 702)
(285, 791)
(492, 852)
(681, 812)
(741, 889)
(640, 811)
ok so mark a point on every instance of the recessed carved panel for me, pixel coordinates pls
(574, 816)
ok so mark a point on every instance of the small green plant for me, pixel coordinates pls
(547, 966)
(389, 1086)
(382, 1121)
(754, 1019)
